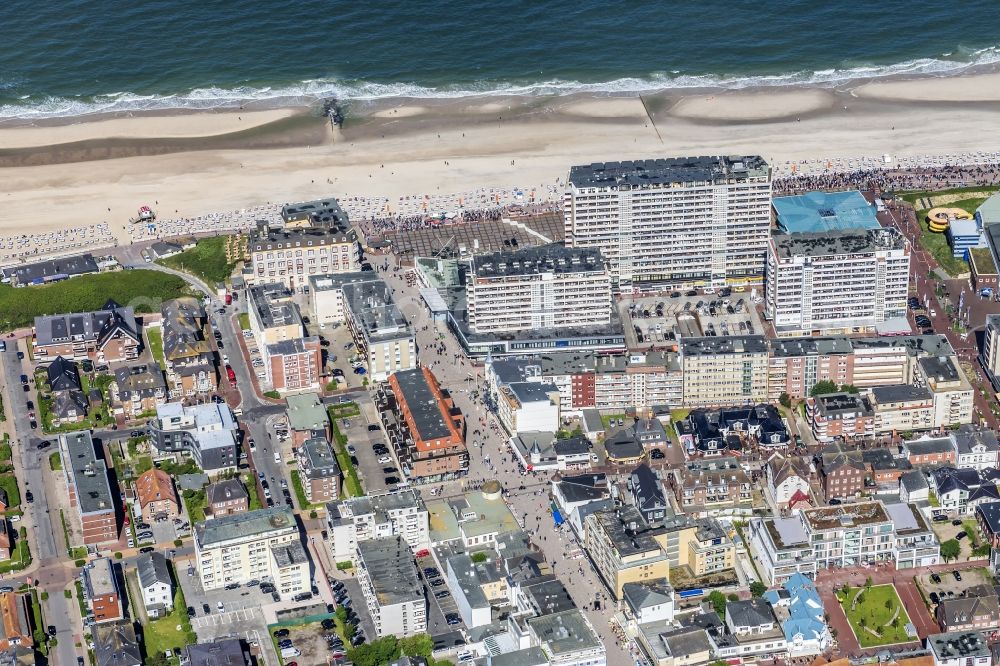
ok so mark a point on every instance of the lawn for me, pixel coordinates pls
(300, 491)
(251, 487)
(55, 461)
(244, 321)
(937, 244)
(352, 484)
(142, 289)
(876, 615)
(171, 632)
(9, 483)
(195, 502)
(206, 260)
(346, 410)
(155, 338)
(20, 556)
(611, 419)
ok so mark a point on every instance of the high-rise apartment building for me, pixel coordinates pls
(836, 281)
(990, 356)
(540, 287)
(684, 221)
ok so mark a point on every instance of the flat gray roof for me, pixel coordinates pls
(542, 259)
(829, 243)
(680, 170)
(423, 404)
(273, 305)
(287, 554)
(900, 393)
(320, 460)
(249, 524)
(320, 213)
(565, 632)
(736, 344)
(90, 475)
(378, 317)
(391, 569)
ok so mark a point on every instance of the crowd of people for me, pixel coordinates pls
(68, 241)
(917, 173)
(234, 220)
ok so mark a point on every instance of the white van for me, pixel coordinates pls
(277, 457)
(290, 652)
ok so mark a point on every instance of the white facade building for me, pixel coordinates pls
(538, 288)
(836, 281)
(401, 513)
(262, 544)
(528, 406)
(671, 222)
(780, 547)
(391, 586)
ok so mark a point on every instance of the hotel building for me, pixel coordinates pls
(252, 545)
(685, 221)
(540, 287)
(724, 370)
(836, 281)
(291, 255)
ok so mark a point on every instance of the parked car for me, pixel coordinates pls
(957, 575)
(146, 549)
(935, 578)
(206, 609)
(933, 596)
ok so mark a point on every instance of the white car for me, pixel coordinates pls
(225, 358)
(384, 459)
(15, 518)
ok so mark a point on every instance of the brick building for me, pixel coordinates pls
(320, 473)
(156, 494)
(89, 490)
(843, 415)
(226, 498)
(430, 430)
(843, 477)
(100, 586)
(107, 335)
(294, 365)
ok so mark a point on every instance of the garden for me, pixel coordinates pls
(875, 613)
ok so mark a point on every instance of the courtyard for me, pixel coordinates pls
(876, 614)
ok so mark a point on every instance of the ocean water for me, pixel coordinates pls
(73, 57)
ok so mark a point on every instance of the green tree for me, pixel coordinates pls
(718, 601)
(888, 604)
(785, 400)
(376, 653)
(822, 388)
(950, 549)
(757, 589)
(479, 557)
(420, 645)
(849, 388)
(868, 583)
(158, 659)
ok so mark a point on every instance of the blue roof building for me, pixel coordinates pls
(825, 211)
(805, 630)
(964, 235)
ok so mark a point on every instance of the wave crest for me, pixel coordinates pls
(306, 92)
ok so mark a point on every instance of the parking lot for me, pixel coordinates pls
(436, 608)
(946, 586)
(362, 439)
(357, 603)
(657, 321)
(945, 530)
(309, 640)
(240, 612)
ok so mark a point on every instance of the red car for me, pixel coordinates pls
(423, 553)
(231, 375)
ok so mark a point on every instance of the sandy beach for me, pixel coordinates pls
(189, 164)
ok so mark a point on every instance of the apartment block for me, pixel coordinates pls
(189, 355)
(137, 390)
(705, 484)
(724, 370)
(796, 365)
(429, 431)
(678, 222)
(903, 408)
(252, 545)
(291, 255)
(100, 586)
(781, 549)
(849, 535)
(836, 281)
(294, 365)
(108, 335)
(623, 548)
(840, 416)
(953, 394)
(391, 586)
(551, 286)
(528, 406)
(588, 380)
(272, 314)
(89, 489)
(207, 432)
(401, 513)
(379, 329)
(307, 418)
(989, 357)
(318, 470)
